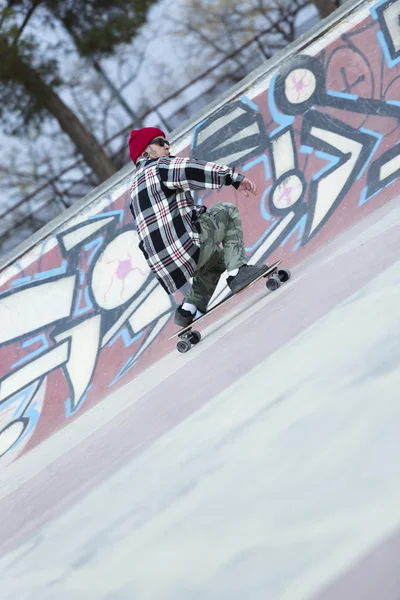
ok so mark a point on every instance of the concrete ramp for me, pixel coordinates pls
(317, 130)
(262, 463)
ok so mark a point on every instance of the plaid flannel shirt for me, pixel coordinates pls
(165, 213)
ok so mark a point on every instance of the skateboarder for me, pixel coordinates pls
(179, 240)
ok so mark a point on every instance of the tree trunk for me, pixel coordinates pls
(325, 7)
(85, 143)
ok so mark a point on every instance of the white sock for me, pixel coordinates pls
(233, 273)
(191, 307)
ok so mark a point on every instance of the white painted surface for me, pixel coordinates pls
(25, 311)
(37, 368)
(83, 351)
(283, 153)
(70, 240)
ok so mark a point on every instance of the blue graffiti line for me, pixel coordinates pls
(262, 238)
(18, 265)
(390, 183)
(52, 272)
(33, 418)
(21, 400)
(283, 120)
(33, 415)
(379, 138)
(300, 226)
(27, 344)
(332, 162)
(194, 136)
(87, 307)
(260, 159)
(264, 213)
(342, 95)
(21, 281)
(111, 213)
(126, 338)
(249, 102)
(394, 102)
(389, 60)
(130, 363)
(373, 8)
(25, 408)
(363, 195)
(43, 252)
(71, 408)
(306, 149)
(94, 246)
(5, 405)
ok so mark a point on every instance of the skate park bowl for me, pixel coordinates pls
(263, 462)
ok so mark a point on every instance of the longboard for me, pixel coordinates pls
(189, 337)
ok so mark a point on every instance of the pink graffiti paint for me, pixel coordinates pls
(301, 84)
(124, 269)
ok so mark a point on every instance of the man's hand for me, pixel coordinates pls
(247, 187)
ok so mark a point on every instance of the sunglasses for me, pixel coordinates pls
(160, 142)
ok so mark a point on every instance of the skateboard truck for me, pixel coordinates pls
(187, 340)
(189, 337)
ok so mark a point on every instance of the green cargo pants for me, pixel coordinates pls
(221, 224)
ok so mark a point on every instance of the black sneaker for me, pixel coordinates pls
(247, 274)
(183, 318)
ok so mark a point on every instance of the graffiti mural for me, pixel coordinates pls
(81, 314)
(62, 326)
(320, 142)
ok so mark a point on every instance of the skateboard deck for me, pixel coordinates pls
(189, 337)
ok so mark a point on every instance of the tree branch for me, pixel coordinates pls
(25, 22)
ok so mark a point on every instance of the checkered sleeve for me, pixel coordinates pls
(187, 174)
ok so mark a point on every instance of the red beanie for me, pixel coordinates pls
(140, 139)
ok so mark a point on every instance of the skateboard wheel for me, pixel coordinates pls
(183, 346)
(284, 275)
(195, 337)
(273, 283)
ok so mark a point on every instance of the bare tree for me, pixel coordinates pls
(235, 36)
(42, 173)
(208, 31)
(30, 70)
